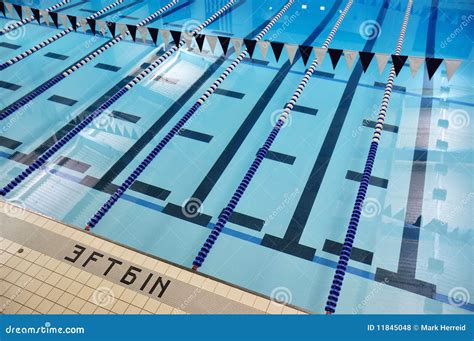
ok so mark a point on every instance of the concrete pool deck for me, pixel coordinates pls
(47, 267)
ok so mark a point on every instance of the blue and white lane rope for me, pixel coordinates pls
(89, 118)
(55, 37)
(25, 21)
(175, 130)
(59, 77)
(345, 255)
(231, 205)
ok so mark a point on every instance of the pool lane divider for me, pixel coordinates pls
(59, 77)
(32, 17)
(262, 152)
(178, 126)
(89, 118)
(347, 247)
(55, 37)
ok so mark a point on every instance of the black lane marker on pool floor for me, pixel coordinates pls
(107, 67)
(56, 56)
(9, 143)
(358, 255)
(62, 100)
(75, 165)
(395, 87)
(229, 93)
(9, 86)
(124, 116)
(374, 181)
(290, 241)
(304, 110)
(280, 157)
(386, 127)
(247, 221)
(323, 74)
(9, 46)
(195, 135)
(405, 277)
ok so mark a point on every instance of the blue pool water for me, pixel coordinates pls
(423, 168)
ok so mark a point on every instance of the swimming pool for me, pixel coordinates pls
(412, 252)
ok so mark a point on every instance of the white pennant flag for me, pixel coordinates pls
(27, 11)
(237, 42)
(350, 57)
(188, 39)
(143, 32)
(320, 54)
(83, 23)
(45, 16)
(64, 20)
(122, 29)
(9, 8)
(102, 27)
(264, 45)
(415, 63)
(382, 60)
(212, 41)
(451, 66)
(166, 36)
(291, 51)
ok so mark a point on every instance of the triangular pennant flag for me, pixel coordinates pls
(91, 23)
(153, 34)
(200, 41)
(102, 26)
(335, 55)
(212, 41)
(45, 17)
(2, 7)
(237, 42)
(250, 45)
(36, 14)
(451, 66)
(320, 54)
(122, 29)
(143, 34)
(263, 45)
(83, 23)
(54, 17)
(432, 64)
(64, 20)
(305, 52)
(73, 21)
(9, 8)
(166, 36)
(291, 51)
(111, 26)
(188, 38)
(224, 41)
(350, 57)
(398, 62)
(366, 59)
(277, 48)
(415, 63)
(176, 35)
(27, 11)
(18, 11)
(382, 60)
(133, 31)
